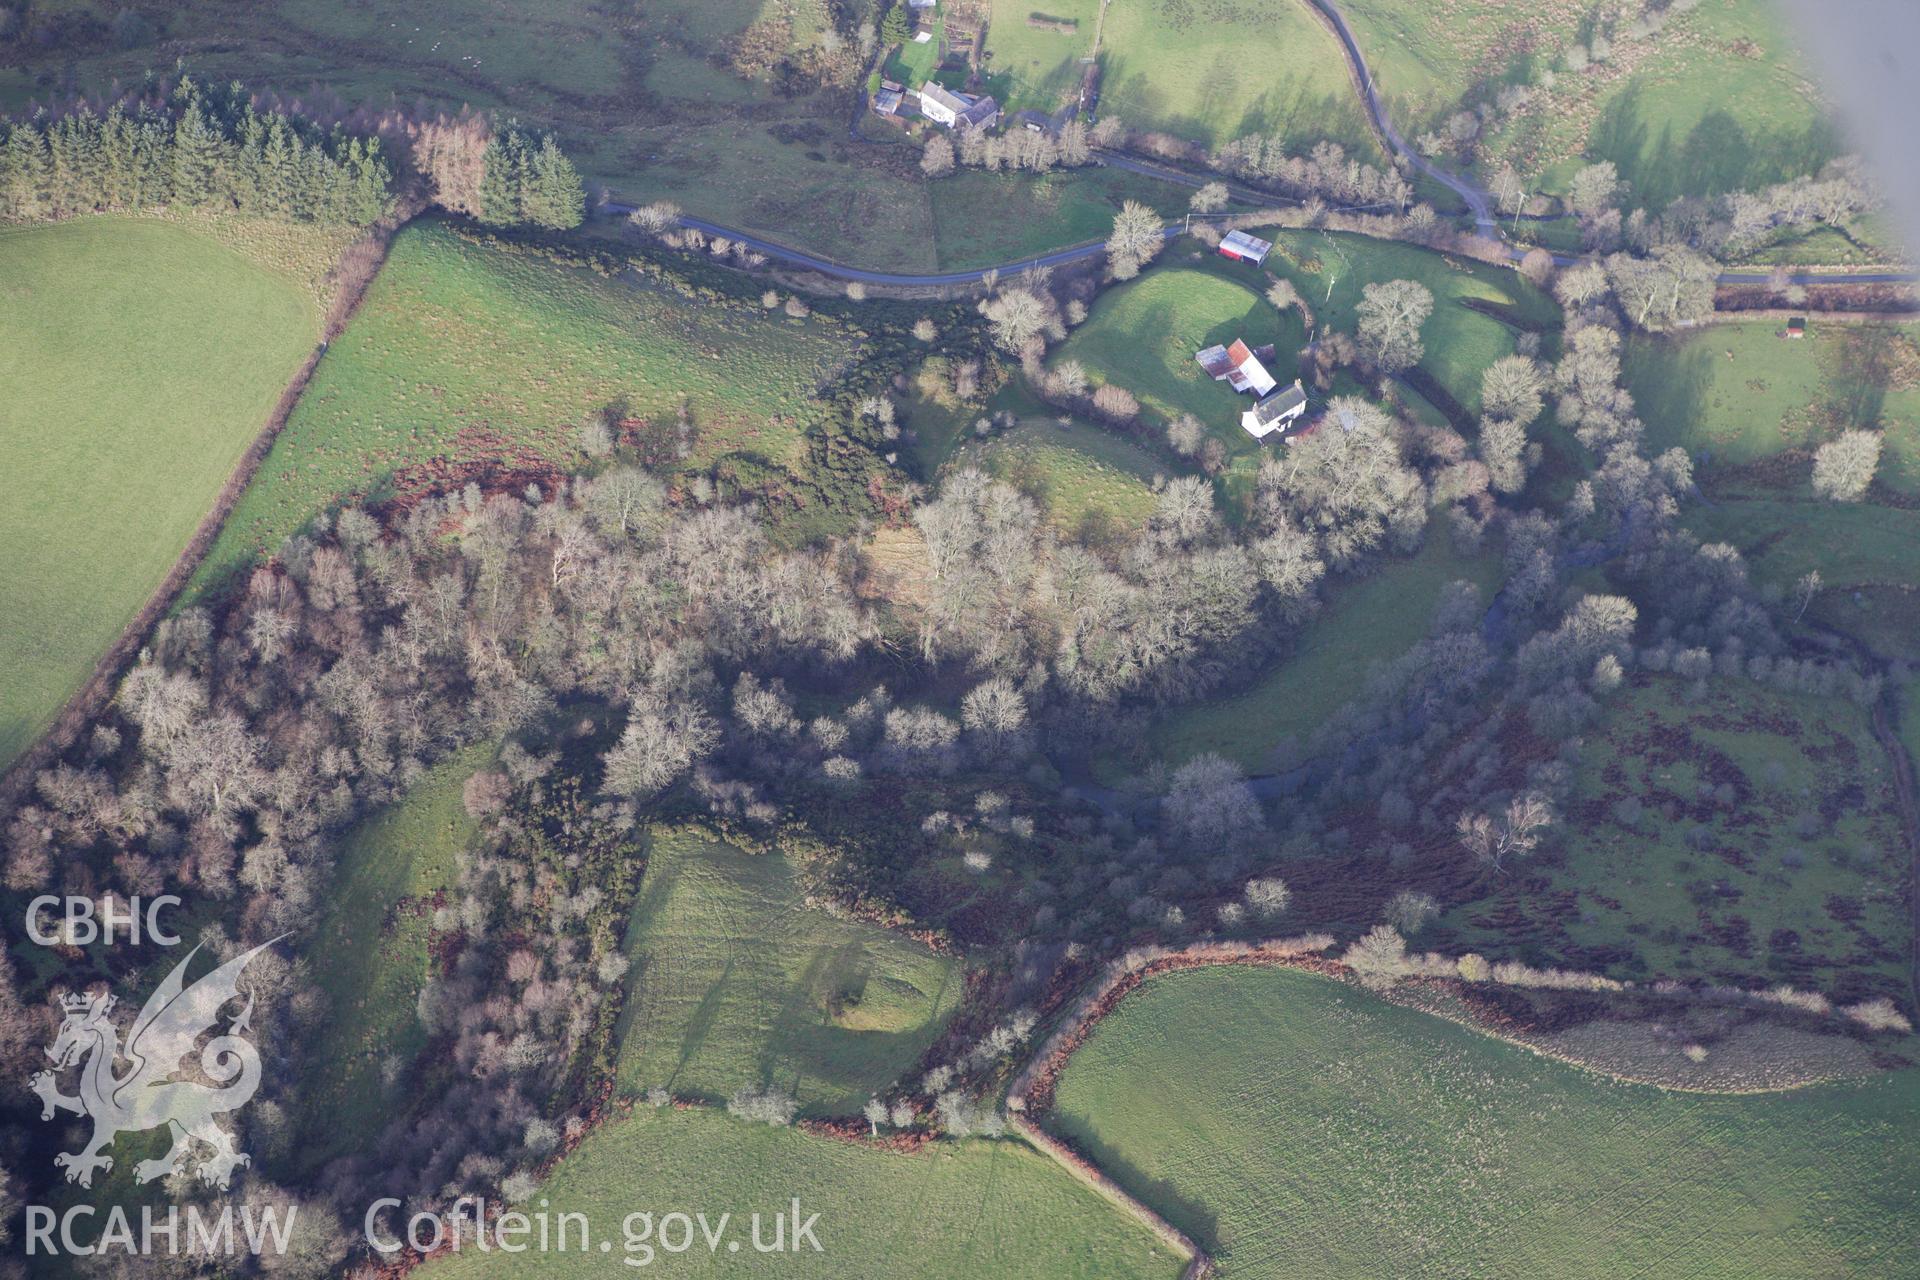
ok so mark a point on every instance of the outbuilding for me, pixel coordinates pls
(1242, 247)
(1236, 366)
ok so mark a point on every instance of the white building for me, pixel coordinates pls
(1276, 412)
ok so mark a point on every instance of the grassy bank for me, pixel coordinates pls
(1299, 1127)
(138, 359)
(464, 356)
(737, 982)
(976, 1208)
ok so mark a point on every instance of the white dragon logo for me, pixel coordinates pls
(145, 1097)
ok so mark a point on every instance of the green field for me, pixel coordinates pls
(976, 1208)
(1721, 102)
(1424, 57)
(1737, 393)
(912, 63)
(1366, 621)
(463, 354)
(1332, 270)
(1717, 100)
(1760, 842)
(1207, 73)
(1090, 481)
(370, 953)
(1298, 1127)
(137, 360)
(982, 218)
(1143, 337)
(1869, 576)
(1850, 544)
(1039, 67)
(736, 982)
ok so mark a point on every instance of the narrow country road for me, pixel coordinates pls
(1478, 201)
(1074, 253)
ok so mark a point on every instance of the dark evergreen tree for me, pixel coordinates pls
(29, 173)
(893, 27)
(500, 182)
(204, 149)
(554, 197)
(196, 159)
(78, 166)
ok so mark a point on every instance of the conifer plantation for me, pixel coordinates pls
(217, 150)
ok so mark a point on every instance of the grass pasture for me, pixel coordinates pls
(982, 218)
(1209, 73)
(138, 358)
(1143, 336)
(1718, 101)
(1366, 621)
(372, 951)
(1850, 544)
(1715, 101)
(1299, 1127)
(1087, 479)
(973, 1208)
(1423, 57)
(1331, 270)
(1735, 394)
(1035, 49)
(736, 982)
(1741, 836)
(463, 355)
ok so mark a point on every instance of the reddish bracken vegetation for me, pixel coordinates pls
(479, 456)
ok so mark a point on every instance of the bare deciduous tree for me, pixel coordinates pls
(1379, 959)
(1184, 435)
(1512, 387)
(657, 218)
(1390, 316)
(1409, 910)
(1267, 896)
(1210, 806)
(1515, 832)
(1672, 286)
(1020, 317)
(1210, 198)
(1116, 402)
(452, 154)
(1136, 238)
(1843, 467)
(937, 159)
(663, 738)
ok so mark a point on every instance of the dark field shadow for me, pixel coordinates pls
(1719, 154)
(1857, 369)
(1669, 382)
(701, 1024)
(1192, 1217)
